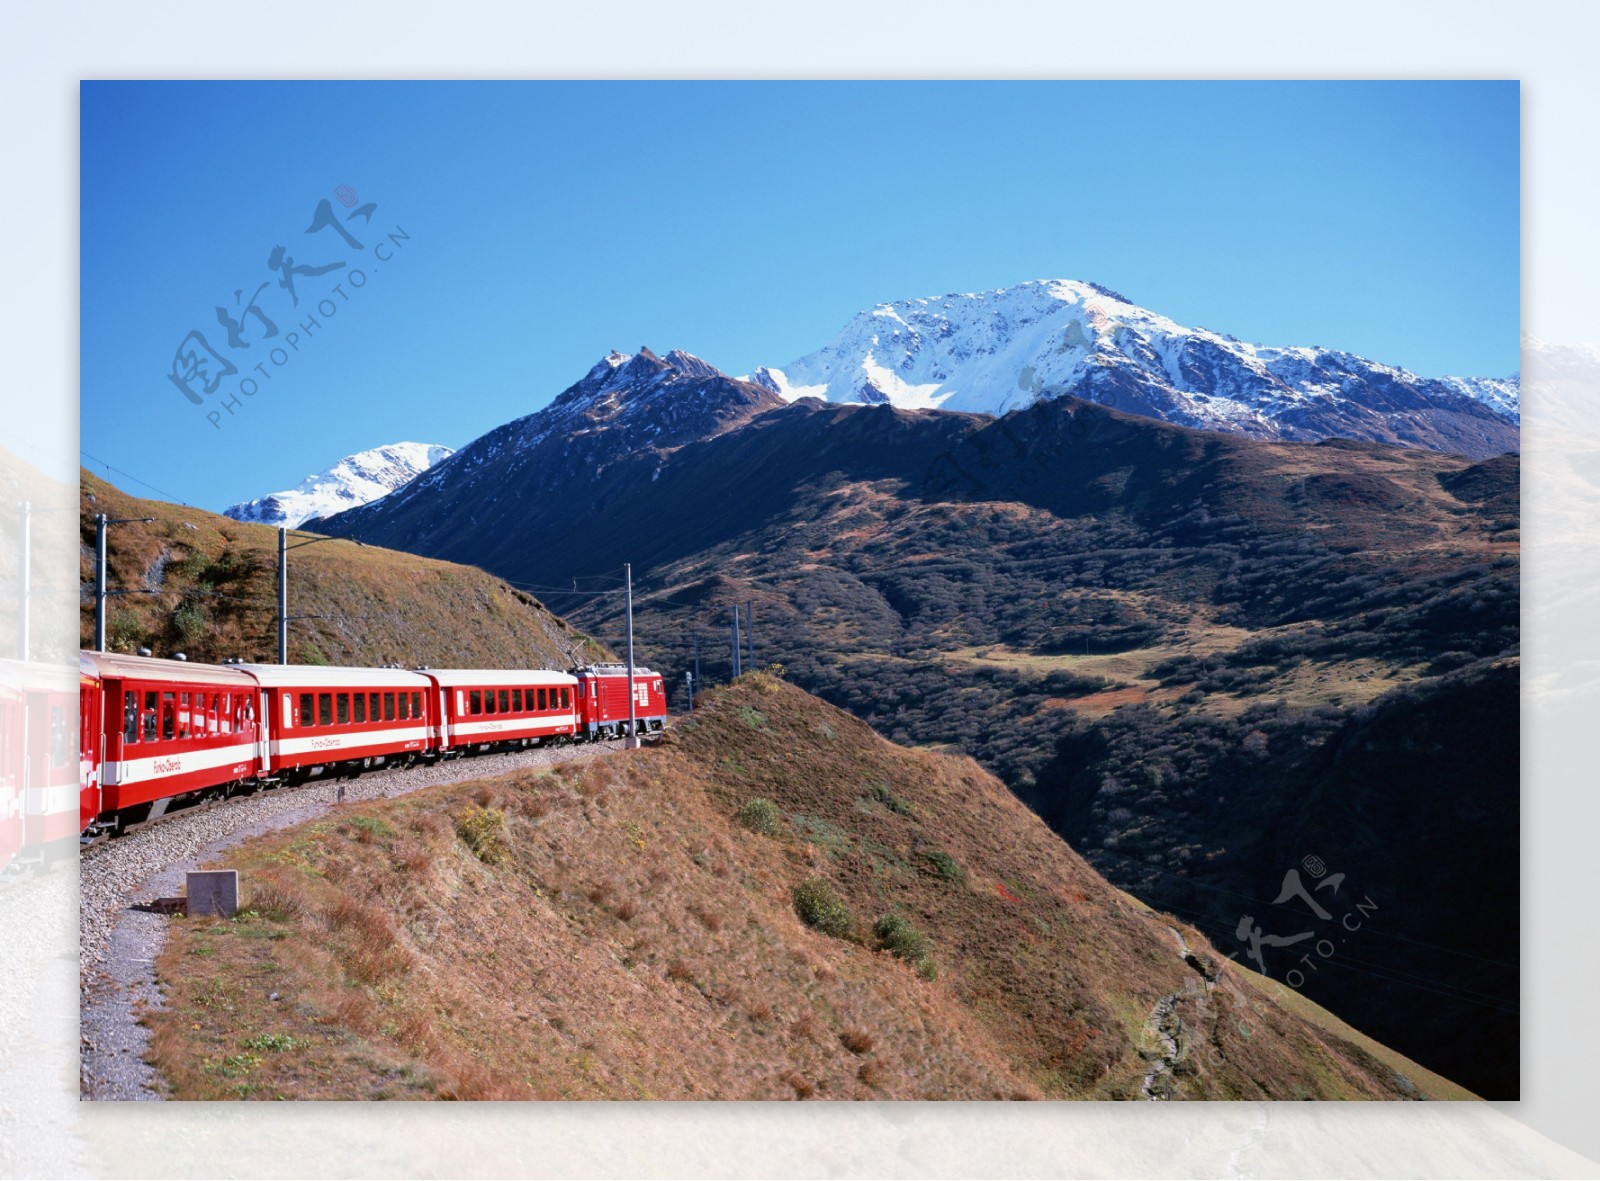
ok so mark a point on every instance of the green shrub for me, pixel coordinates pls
(889, 800)
(371, 824)
(276, 1042)
(902, 940)
(190, 621)
(819, 906)
(483, 830)
(762, 816)
(752, 717)
(945, 866)
(124, 632)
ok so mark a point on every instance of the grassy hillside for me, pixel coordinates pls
(776, 903)
(1171, 644)
(50, 592)
(211, 586)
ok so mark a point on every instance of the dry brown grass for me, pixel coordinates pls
(708, 918)
(367, 605)
(393, 957)
(857, 1041)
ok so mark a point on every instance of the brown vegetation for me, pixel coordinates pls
(214, 595)
(383, 957)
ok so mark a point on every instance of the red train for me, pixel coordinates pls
(38, 750)
(158, 734)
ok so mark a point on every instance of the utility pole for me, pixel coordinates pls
(690, 678)
(101, 522)
(23, 589)
(283, 595)
(750, 634)
(633, 713)
(99, 582)
(283, 585)
(736, 641)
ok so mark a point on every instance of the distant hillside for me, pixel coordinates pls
(776, 904)
(212, 594)
(50, 502)
(1148, 632)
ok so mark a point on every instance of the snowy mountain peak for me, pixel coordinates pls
(996, 351)
(628, 404)
(355, 480)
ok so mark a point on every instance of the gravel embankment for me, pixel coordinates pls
(117, 944)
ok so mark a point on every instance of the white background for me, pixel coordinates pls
(1550, 47)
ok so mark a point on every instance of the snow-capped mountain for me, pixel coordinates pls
(628, 410)
(355, 480)
(996, 351)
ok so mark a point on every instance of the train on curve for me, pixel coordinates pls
(157, 735)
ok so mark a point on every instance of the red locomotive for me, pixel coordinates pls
(157, 734)
(603, 690)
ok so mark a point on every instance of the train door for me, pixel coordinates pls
(91, 751)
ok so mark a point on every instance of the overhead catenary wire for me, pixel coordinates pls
(145, 483)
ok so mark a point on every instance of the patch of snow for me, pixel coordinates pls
(996, 351)
(354, 481)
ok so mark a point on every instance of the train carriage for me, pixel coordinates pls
(603, 700)
(484, 708)
(324, 719)
(52, 765)
(161, 731)
(11, 761)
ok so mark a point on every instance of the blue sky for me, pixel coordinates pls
(529, 228)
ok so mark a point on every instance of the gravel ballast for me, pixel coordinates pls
(118, 944)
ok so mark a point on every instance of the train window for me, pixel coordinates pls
(405, 707)
(505, 701)
(222, 709)
(488, 701)
(388, 707)
(344, 709)
(360, 704)
(477, 702)
(61, 735)
(130, 716)
(516, 701)
(169, 714)
(308, 715)
(183, 715)
(416, 705)
(375, 706)
(150, 717)
(324, 709)
(566, 699)
(540, 700)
